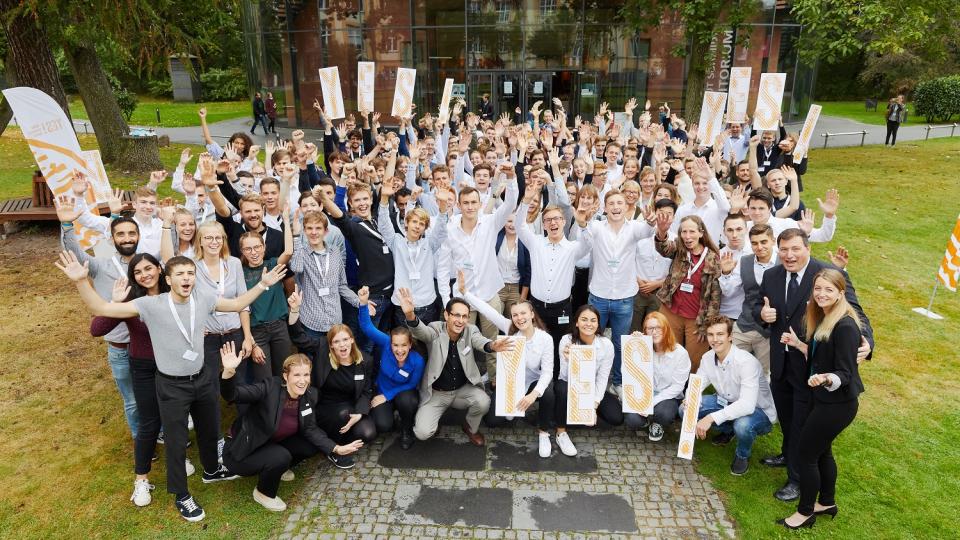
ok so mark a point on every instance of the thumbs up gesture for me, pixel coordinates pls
(767, 313)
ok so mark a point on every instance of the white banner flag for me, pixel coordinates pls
(332, 94)
(803, 145)
(637, 374)
(711, 116)
(445, 100)
(403, 93)
(54, 146)
(767, 114)
(366, 73)
(581, 380)
(511, 385)
(98, 176)
(691, 409)
(738, 94)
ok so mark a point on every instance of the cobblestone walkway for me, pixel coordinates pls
(619, 486)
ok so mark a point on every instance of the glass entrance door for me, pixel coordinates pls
(478, 84)
(538, 87)
(509, 94)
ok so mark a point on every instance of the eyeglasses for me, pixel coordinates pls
(212, 239)
(553, 219)
(457, 316)
(252, 249)
(652, 329)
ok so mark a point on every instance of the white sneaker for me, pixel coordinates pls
(566, 445)
(655, 432)
(189, 423)
(141, 492)
(288, 476)
(545, 447)
(273, 504)
(189, 467)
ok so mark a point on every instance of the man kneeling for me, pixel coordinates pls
(743, 405)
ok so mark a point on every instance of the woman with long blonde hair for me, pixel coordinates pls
(833, 331)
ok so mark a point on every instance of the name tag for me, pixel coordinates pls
(191, 356)
(613, 263)
(403, 373)
(761, 169)
(563, 320)
(358, 377)
(323, 291)
(306, 412)
(766, 163)
(686, 287)
(468, 265)
(386, 250)
(722, 401)
(414, 276)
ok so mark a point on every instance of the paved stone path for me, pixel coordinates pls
(620, 486)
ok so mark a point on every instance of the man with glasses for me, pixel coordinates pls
(251, 219)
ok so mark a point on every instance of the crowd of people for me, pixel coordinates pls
(333, 295)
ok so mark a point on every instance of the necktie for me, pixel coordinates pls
(792, 288)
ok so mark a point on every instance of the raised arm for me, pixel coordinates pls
(202, 113)
(77, 272)
(482, 307)
(268, 280)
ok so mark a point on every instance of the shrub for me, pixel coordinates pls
(224, 84)
(126, 99)
(160, 88)
(938, 99)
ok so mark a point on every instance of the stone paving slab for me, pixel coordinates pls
(507, 456)
(436, 453)
(665, 496)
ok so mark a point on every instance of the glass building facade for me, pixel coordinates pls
(518, 51)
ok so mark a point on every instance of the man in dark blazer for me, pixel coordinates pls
(780, 306)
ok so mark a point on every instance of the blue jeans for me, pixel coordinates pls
(119, 361)
(260, 120)
(616, 315)
(746, 428)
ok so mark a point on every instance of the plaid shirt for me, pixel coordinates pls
(321, 311)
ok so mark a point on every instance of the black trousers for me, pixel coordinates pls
(405, 403)
(551, 315)
(580, 294)
(143, 372)
(611, 411)
(198, 397)
(211, 354)
(818, 470)
(333, 416)
(892, 128)
(270, 461)
(274, 340)
(544, 411)
(792, 398)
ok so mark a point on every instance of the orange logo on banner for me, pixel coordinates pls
(511, 366)
(767, 96)
(405, 97)
(715, 105)
(691, 412)
(576, 412)
(329, 79)
(641, 402)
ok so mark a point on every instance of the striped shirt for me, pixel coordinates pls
(324, 281)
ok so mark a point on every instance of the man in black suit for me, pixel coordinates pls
(781, 305)
(486, 108)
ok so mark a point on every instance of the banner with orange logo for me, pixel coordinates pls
(637, 355)
(366, 79)
(581, 380)
(691, 409)
(803, 144)
(769, 98)
(711, 116)
(511, 382)
(403, 93)
(332, 94)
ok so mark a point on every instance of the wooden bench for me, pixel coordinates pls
(41, 205)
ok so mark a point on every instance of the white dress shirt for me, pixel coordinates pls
(822, 234)
(739, 379)
(712, 212)
(603, 352)
(651, 265)
(614, 272)
(507, 262)
(731, 297)
(552, 265)
(414, 264)
(670, 372)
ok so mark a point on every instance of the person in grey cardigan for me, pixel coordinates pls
(451, 377)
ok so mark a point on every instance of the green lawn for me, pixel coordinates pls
(855, 110)
(173, 114)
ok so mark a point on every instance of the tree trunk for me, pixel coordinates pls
(113, 133)
(29, 60)
(696, 81)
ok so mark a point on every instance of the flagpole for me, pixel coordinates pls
(936, 283)
(927, 312)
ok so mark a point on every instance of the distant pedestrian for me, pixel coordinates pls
(896, 114)
(259, 114)
(270, 105)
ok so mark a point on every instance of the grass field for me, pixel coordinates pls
(65, 455)
(173, 114)
(855, 110)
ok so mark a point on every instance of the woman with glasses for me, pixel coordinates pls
(671, 367)
(268, 313)
(220, 274)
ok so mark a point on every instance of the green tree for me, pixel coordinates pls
(703, 21)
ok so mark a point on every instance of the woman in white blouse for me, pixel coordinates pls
(584, 332)
(671, 368)
(537, 361)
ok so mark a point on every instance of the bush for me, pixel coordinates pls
(224, 84)
(160, 88)
(938, 99)
(126, 99)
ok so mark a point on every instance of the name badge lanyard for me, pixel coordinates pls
(767, 153)
(176, 318)
(414, 255)
(116, 263)
(371, 230)
(323, 271)
(221, 283)
(694, 267)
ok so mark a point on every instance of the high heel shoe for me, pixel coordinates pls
(807, 523)
(831, 511)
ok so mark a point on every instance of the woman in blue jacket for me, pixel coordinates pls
(400, 372)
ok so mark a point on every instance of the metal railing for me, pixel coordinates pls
(86, 126)
(953, 127)
(826, 136)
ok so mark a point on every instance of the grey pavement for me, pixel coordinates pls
(619, 486)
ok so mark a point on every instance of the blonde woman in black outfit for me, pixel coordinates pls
(832, 338)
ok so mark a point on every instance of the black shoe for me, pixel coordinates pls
(189, 509)
(778, 460)
(807, 523)
(341, 462)
(721, 439)
(406, 439)
(832, 512)
(219, 475)
(161, 441)
(789, 492)
(739, 466)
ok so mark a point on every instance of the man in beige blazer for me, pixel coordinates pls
(451, 377)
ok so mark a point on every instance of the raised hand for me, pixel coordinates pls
(229, 358)
(768, 313)
(831, 204)
(807, 221)
(273, 276)
(295, 300)
(79, 184)
(202, 113)
(120, 290)
(363, 295)
(67, 209)
(840, 258)
(727, 262)
(789, 172)
(406, 302)
(738, 199)
(502, 345)
(184, 157)
(157, 177)
(208, 172)
(630, 106)
(664, 221)
(115, 201)
(70, 266)
(167, 209)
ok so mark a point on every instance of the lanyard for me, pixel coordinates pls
(117, 264)
(766, 153)
(221, 282)
(414, 254)
(371, 231)
(323, 271)
(176, 318)
(694, 267)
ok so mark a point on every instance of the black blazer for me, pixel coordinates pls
(262, 418)
(319, 353)
(838, 355)
(774, 287)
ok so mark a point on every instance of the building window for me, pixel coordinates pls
(355, 37)
(473, 6)
(503, 11)
(547, 6)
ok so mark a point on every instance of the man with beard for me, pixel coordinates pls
(125, 235)
(251, 218)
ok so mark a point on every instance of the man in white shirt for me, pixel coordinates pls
(736, 145)
(749, 334)
(709, 203)
(731, 291)
(759, 207)
(743, 405)
(144, 213)
(613, 280)
(652, 270)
